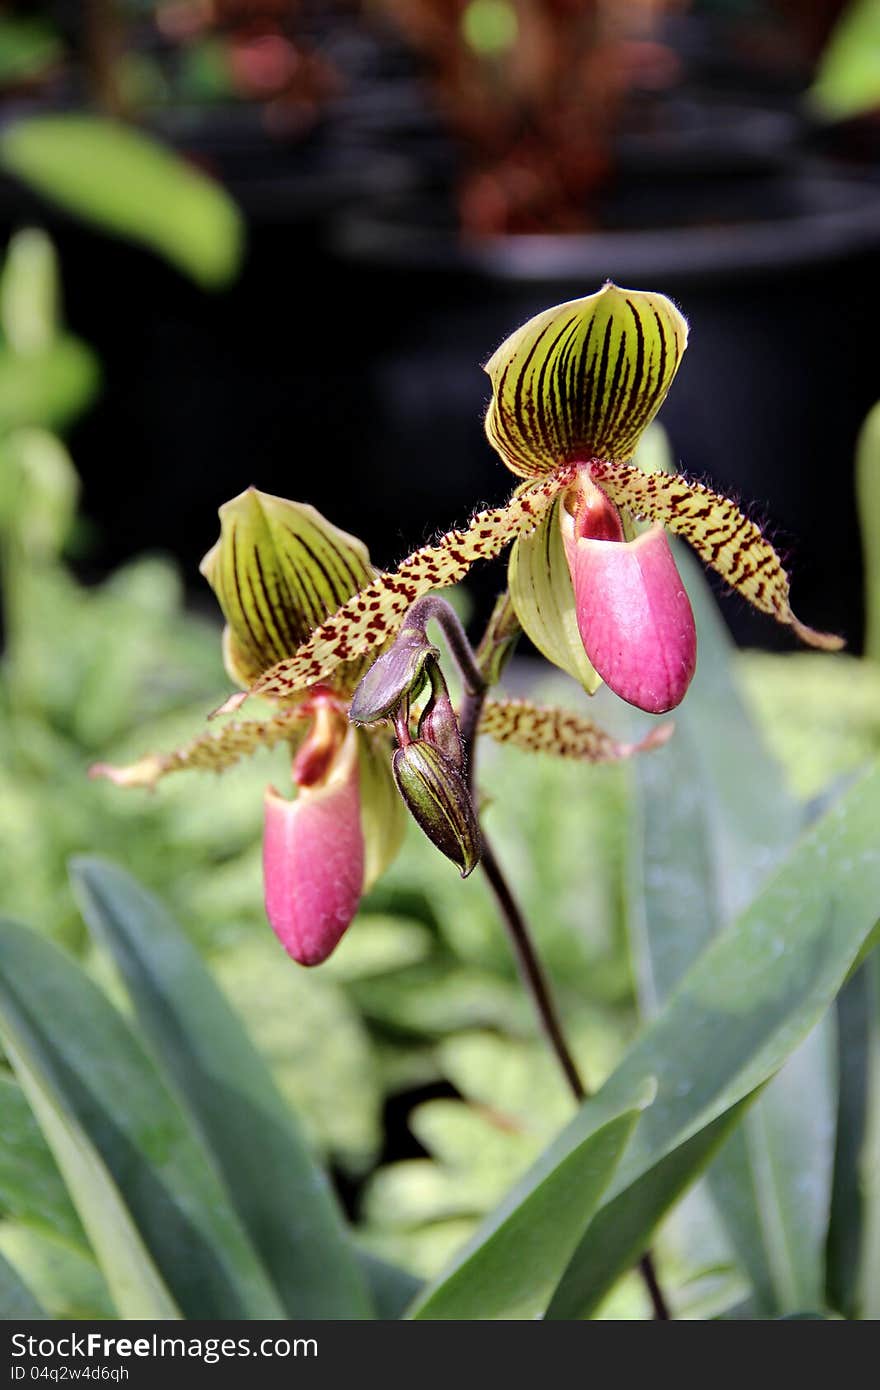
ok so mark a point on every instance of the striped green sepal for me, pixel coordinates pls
(542, 595)
(279, 570)
(583, 380)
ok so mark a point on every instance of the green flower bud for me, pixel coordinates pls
(438, 724)
(437, 796)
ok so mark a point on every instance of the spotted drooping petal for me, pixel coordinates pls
(279, 570)
(722, 536)
(211, 752)
(583, 380)
(546, 729)
(374, 615)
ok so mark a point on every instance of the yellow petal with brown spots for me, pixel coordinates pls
(375, 614)
(583, 380)
(210, 752)
(546, 729)
(721, 535)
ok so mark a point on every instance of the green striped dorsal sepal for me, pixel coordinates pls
(373, 616)
(279, 570)
(547, 729)
(583, 380)
(215, 751)
(723, 537)
(541, 591)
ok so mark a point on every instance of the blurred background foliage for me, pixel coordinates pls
(380, 155)
(411, 1055)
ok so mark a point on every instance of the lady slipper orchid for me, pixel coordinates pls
(279, 569)
(574, 390)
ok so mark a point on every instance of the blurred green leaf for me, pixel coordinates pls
(28, 46)
(509, 1268)
(280, 1194)
(855, 1207)
(65, 1281)
(130, 185)
(48, 388)
(313, 1040)
(735, 1017)
(31, 1189)
(847, 79)
(29, 292)
(17, 1303)
(154, 1211)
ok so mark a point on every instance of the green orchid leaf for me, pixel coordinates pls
(583, 380)
(157, 1217)
(392, 1289)
(510, 1267)
(714, 818)
(736, 1016)
(543, 598)
(279, 570)
(130, 185)
(31, 1189)
(621, 1230)
(17, 1303)
(65, 1280)
(853, 1249)
(277, 1189)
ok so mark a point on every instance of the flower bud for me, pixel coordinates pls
(438, 799)
(398, 672)
(438, 724)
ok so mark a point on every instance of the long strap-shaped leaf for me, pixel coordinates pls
(277, 1189)
(721, 535)
(547, 729)
(156, 1214)
(375, 614)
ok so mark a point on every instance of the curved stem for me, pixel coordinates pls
(532, 972)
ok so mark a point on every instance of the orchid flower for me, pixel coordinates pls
(279, 570)
(573, 391)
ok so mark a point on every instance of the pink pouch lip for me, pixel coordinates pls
(313, 860)
(633, 614)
